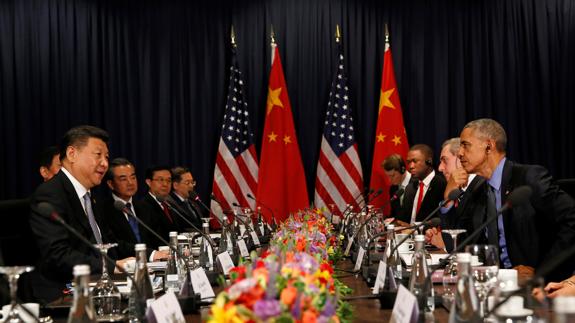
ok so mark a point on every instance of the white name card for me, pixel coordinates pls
(255, 238)
(359, 259)
(242, 230)
(348, 247)
(380, 279)
(201, 284)
(405, 309)
(226, 262)
(166, 309)
(243, 248)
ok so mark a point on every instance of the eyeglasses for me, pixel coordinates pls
(163, 180)
(193, 183)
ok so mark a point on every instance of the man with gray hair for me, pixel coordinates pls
(527, 235)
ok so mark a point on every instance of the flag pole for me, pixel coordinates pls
(386, 34)
(337, 33)
(233, 36)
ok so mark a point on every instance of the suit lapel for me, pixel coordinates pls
(78, 214)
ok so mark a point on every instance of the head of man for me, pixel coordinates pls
(121, 178)
(182, 181)
(448, 161)
(49, 162)
(159, 180)
(84, 153)
(394, 168)
(483, 144)
(420, 161)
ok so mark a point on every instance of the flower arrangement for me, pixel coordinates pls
(292, 281)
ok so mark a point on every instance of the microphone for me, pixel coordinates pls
(173, 207)
(250, 196)
(47, 210)
(395, 196)
(195, 197)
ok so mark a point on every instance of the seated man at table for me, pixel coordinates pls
(49, 162)
(84, 156)
(399, 178)
(527, 235)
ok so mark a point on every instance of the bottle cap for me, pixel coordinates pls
(205, 225)
(173, 233)
(390, 227)
(140, 246)
(81, 270)
(419, 237)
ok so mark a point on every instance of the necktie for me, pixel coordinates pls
(91, 218)
(491, 212)
(133, 222)
(167, 212)
(193, 213)
(419, 197)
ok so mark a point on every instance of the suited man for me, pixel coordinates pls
(183, 184)
(123, 183)
(452, 215)
(49, 162)
(426, 189)
(529, 234)
(84, 156)
(394, 168)
(159, 182)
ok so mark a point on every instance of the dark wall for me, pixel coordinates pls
(154, 74)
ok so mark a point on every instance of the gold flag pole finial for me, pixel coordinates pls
(233, 36)
(272, 34)
(386, 34)
(337, 33)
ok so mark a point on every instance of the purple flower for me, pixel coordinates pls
(328, 308)
(266, 308)
(296, 310)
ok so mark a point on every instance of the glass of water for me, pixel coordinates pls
(484, 266)
(105, 295)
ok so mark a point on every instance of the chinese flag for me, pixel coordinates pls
(281, 177)
(390, 136)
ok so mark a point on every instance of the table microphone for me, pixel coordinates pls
(250, 196)
(46, 209)
(395, 196)
(196, 198)
(347, 219)
(239, 217)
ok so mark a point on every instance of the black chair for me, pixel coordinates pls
(568, 185)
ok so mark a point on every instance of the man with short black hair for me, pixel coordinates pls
(84, 156)
(49, 162)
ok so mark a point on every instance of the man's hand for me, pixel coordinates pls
(122, 263)
(161, 255)
(434, 237)
(524, 272)
(457, 179)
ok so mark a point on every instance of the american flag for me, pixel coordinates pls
(236, 171)
(339, 175)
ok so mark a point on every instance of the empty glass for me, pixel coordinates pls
(450, 271)
(13, 274)
(484, 271)
(105, 295)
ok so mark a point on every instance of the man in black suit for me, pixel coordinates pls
(159, 181)
(49, 162)
(399, 177)
(84, 156)
(122, 181)
(183, 184)
(527, 235)
(426, 189)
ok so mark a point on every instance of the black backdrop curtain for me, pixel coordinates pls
(154, 74)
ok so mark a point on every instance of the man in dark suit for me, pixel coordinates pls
(49, 162)
(84, 156)
(159, 181)
(399, 177)
(183, 184)
(527, 235)
(122, 181)
(426, 189)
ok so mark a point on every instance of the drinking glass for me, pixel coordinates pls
(450, 271)
(105, 295)
(13, 274)
(484, 271)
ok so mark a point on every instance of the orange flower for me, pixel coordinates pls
(288, 295)
(300, 244)
(309, 316)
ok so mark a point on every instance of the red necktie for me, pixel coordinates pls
(167, 212)
(419, 197)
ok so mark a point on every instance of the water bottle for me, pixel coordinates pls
(173, 280)
(82, 309)
(141, 291)
(465, 307)
(564, 309)
(419, 285)
(392, 258)
(206, 252)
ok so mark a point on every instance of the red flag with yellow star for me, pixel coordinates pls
(390, 136)
(281, 177)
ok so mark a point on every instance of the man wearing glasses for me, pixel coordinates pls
(159, 181)
(183, 184)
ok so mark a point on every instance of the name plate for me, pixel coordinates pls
(201, 284)
(243, 248)
(226, 262)
(380, 279)
(166, 309)
(359, 259)
(255, 238)
(405, 309)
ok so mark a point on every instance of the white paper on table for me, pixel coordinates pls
(201, 284)
(255, 238)
(359, 259)
(405, 309)
(226, 262)
(243, 248)
(380, 279)
(166, 309)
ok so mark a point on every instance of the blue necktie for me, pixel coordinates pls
(133, 222)
(91, 218)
